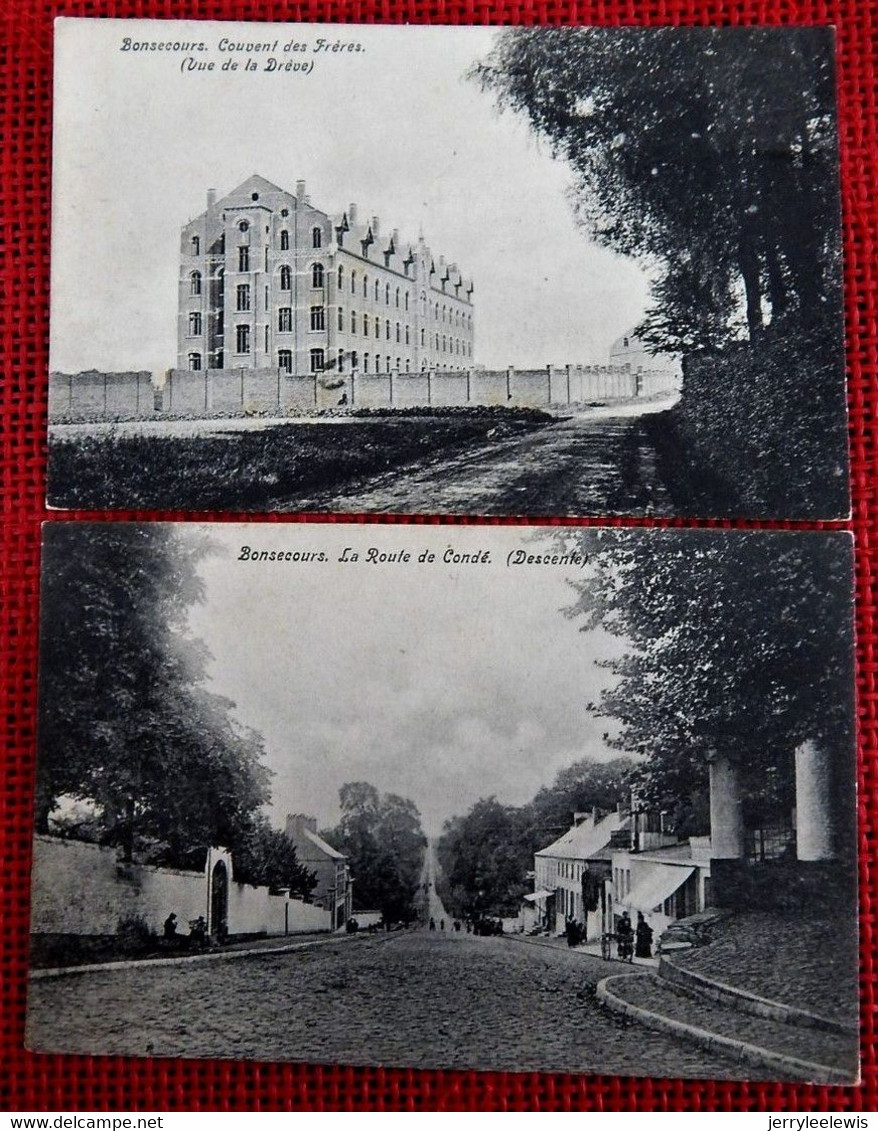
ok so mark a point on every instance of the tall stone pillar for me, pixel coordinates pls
(726, 819)
(813, 812)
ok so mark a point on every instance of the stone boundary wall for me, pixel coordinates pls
(92, 395)
(231, 392)
(246, 391)
(82, 889)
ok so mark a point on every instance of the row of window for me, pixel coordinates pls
(370, 364)
(447, 314)
(316, 240)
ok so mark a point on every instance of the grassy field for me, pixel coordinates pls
(253, 470)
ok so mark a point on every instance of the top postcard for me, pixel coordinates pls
(479, 271)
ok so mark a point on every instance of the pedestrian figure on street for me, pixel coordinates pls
(643, 948)
(457, 924)
(441, 924)
(171, 926)
(625, 933)
(570, 930)
(432, 923)
(198, 932)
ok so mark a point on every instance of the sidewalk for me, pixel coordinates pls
(278, 944)
(590, 949)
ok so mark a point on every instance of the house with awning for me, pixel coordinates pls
(571, 875)
(666, 883)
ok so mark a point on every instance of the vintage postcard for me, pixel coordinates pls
(526, 799)
(481, 271)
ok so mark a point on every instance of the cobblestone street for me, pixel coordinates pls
(420, 999)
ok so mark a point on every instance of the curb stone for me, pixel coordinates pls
(746, 1002)
(183, 959)
(742, 1052)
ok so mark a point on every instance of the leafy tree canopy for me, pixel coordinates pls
(382, 837)
(708, 153)
(127, 726)
(739, 643)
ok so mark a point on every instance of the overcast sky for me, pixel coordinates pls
(441, 683)
(394, 127)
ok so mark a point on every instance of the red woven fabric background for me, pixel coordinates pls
(29, 1081)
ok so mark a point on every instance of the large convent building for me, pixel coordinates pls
(269, 281)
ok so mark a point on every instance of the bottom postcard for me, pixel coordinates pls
(502, 798)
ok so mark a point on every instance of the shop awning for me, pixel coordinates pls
(533, 897)
(654, 889)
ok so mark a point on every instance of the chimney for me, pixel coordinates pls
(376, 226)
(352, 214)
(211, 197)
(297, 823)
(395, 238)
(300, 192)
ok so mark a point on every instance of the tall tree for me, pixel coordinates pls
(708, 153)
(485, 857)
(382, 837)
(738, 642)
(127, 724)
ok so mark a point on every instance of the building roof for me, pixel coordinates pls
(320, 843)
(588, 839)
(670, 854)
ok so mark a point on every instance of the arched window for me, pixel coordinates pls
(365, 325)
(408, 365)
(284, 239)
(195, 283)
(397, 298)
(365, 363)
(365, 286)
(397, 364)
(341, 318)
(317, 275)
(286, 278)
(196, 245)
(195, 322)
(353, 281)
(377, 290)
(422, 336)
(340, 277)
(317, 355)
(387, 329)
(423, 304)
(387, 359)
(341, 361)
(285, 361)
(285, 319)
(194, 361)
(398, 338)
(387, 294)
(244, 257)
(377, 327)
(353, 321)
(437, 311)
(316, 241)
(406, 300)
(407, 342)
